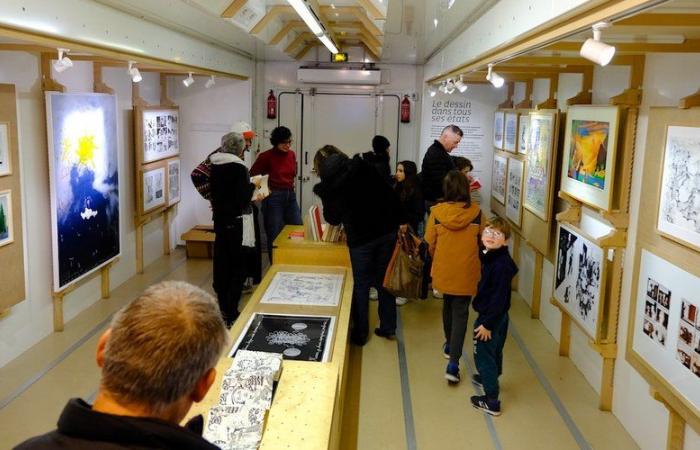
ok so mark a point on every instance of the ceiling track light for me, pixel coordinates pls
(596, 50)
(63, 62)
(210, 82)
(134, 72)
(432, 91)
(307, 16)
(328, 43)
(461, 85)
(495, 79)
(443, 87)
(449, 86)
(189, 80)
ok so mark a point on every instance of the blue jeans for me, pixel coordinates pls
(369, 262)
(279, 209)
(488, 356)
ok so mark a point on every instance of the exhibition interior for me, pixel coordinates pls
(580, 118)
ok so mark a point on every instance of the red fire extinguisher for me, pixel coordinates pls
(405, 110)
(271, 106)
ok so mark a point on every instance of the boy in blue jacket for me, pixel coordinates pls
(492, 302)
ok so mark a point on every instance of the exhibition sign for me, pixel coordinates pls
(590, 144)
(500, 168)
(514, 205)
(538, 170)
(84, 183)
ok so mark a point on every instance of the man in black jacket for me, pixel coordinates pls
(437, 163)
(379, 157)
(157, 359)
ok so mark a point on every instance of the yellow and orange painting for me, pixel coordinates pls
(588, 152)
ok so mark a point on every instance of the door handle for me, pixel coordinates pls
(306, 158)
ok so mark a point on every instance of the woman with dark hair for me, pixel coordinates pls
(354, 194)
(452, 233)
(280, 208)
(408, 188)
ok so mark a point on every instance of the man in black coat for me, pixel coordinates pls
(379, 157)
(437, 163)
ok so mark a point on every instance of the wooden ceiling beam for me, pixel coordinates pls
(369, 50)
(285, 30)
(271, 14)
(305, 50)
(371, 40)
(618, 60)
(372, 9)
(375, 50)
(661, 20)
(301, 37)
(689, 46)
(358, 13)
(232, 9)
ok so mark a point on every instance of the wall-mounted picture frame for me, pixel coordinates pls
(153, 187)
(173, 181)
(159, 133)
(499, 119)
(677, 217)
(523, 133)
(5, 152)
(510, 132)
(499, 177)
(590, 150)
(539, 162)
(514, 191)
(6, 230)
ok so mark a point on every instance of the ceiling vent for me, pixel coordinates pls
(344, 75)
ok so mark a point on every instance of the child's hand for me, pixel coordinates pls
(482, 333)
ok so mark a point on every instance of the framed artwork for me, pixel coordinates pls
(523, 132)
(6, 234)
(666, 329)
(578, 278)
(297, 337)
(303, 288)
(590, 145)
(84, 183)
(538, 170)
(160, 133)
(679, 199)
(153, 188)
(499, 118)
(498, 184)
(5, 159)
(510, 134)
(514, 207)
(173, 181)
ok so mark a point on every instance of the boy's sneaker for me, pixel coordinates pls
(452, 373)
(373, 294)
(445, 351)
(487, 405)
(476, 380)
(400, 301)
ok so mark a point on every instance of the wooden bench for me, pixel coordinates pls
(199, 242)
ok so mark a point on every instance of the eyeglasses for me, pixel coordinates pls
(490, 232)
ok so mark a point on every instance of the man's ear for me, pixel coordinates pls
(202, 387)
(101, 345)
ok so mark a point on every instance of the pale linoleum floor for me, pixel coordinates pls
(403, 400)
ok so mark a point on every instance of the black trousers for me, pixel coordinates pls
(229, 268)
(455, 314)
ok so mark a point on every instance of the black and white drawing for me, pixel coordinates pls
(153, 188)
(160, 134)
(498, 120)
(578, 282)
(302, 338)
(303, 288)
(514, 196)
(510, 134)
(657, 311)
(173, 181)
(258, 362)
(523, 132)
(680, 186)
(498, 180)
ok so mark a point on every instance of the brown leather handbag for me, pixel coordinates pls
(404, 274)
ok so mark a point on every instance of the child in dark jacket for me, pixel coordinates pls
(492, 302)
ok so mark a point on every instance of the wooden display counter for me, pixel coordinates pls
(305, 251)
(307, 407)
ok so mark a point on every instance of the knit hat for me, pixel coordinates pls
(244, 129)
(380, 144)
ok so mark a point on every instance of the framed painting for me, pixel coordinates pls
(514, 207)
(160, 133)
(579, 278)
(5, 153)
(498, 183)
(679, 199)
(498, 120)
(84, 183)
(590, 148)
(538, 170)
(6, 234)
(523, 132)
(153, 187)
(173, 181)
(510, 133)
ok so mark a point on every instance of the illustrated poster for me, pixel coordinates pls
(500, 167)
(499, 118)
(523, 132)
(173, 181)
(303, 288)
(514, 191)
(537, 169)
(160, 134)
(153, 188)
(510, 135)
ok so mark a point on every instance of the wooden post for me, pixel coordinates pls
(675, 439)
(606, 384)
(58, 312)
(166, 231)
(104, 272)
(537, 286)
(564, 334)
(139, 248)
(508, 103)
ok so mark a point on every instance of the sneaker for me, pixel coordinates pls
(476, 380)
(373, 294)
(385, 334)
(437, 294)
(400, 301)
(452, 373)
(487, 405)
(445, 351)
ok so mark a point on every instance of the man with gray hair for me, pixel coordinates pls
(157, 359)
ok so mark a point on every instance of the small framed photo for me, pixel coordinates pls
(6, 232)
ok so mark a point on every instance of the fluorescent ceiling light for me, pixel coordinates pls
(596, 50)
(494, 78)
(328, 43)
(134, 72)
(461, 85)
(189, 80)
(307, 16)
(63, 62)
(210, 82)
(450, 3)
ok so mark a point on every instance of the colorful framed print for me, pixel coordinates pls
(6, 232)
(499, 118)
(510, 133)
(5, 158)
(498, 183)
(514, 192)
(538, 170)
(173, 181)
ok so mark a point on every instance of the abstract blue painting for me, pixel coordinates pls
(83, 167)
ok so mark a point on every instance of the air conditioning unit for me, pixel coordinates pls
(339, 76)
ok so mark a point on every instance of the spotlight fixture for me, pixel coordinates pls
(210, 82)
(461, 85)
(432, 91)
(189, 80)
(494, 78)
(63, 62)
(134, 72)
(443, 87)
(596, 50)
(449, 86)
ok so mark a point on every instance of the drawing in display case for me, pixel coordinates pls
(590, 149)
(304, 288)
(499, 118)
(538, 167)
(514, 207)
(510, 131)
(500, 172)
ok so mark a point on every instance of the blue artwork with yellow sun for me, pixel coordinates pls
(83, 153)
